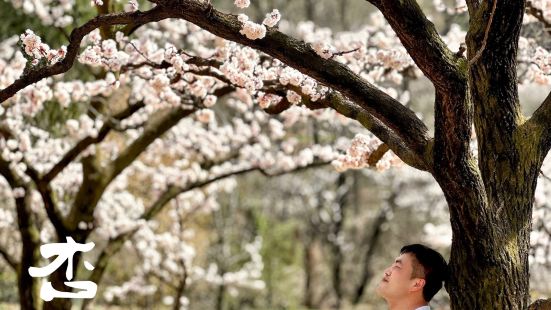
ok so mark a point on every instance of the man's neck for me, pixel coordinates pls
(406, 304)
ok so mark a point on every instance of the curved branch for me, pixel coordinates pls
(401, 120)
(34, 75)
(50, 204)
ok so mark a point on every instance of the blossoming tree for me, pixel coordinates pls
(490, 196)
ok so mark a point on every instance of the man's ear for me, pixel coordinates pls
(418, 285)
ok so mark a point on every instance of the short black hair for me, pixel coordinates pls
(435, 268)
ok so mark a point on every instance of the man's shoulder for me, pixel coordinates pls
(423, 308)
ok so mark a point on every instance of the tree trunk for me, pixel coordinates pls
(310, 10)
(309, 275)
(220, 297)
(58, 279)
(492, 239)
(343, 187)
(29, 287)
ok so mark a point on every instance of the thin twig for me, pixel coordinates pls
(344, 52)
(486, 34)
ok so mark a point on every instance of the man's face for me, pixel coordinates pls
(397, 281)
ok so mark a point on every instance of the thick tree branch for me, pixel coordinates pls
(495, 30)
(299, 55)
(152, 131)
(422, 41)
(401, 120)
(50, 203)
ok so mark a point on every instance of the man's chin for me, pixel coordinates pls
(380, 288)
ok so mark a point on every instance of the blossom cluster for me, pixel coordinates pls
(252, 30)
(34, 48)
(360, 150)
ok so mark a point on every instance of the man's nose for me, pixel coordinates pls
(388, 272)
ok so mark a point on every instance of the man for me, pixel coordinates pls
(413, 279)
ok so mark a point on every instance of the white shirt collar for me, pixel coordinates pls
(423, 308)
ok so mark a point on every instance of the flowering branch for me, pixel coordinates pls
(34, 75)
(393, 116)
(299, 55)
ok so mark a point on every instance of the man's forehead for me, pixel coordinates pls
(403, 258)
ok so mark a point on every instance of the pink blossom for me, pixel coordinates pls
(272, 18)
(242, 3)
(253, 31)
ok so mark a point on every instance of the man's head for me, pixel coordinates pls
(418, 273)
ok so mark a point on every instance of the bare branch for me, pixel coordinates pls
(377, 155)
(9, 258)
